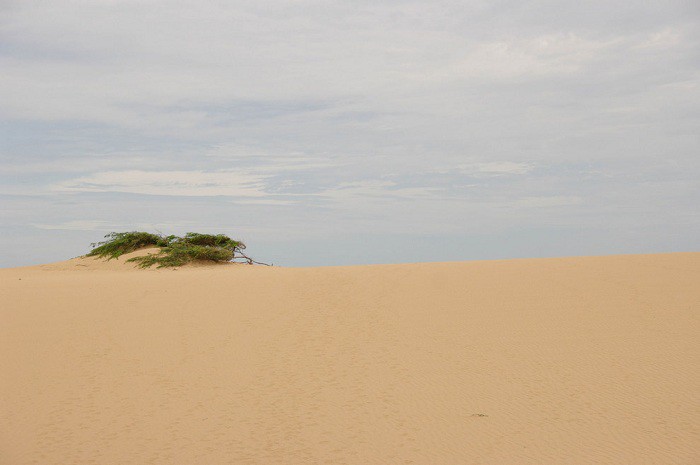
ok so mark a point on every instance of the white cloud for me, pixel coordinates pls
(495, 168)
(73, 165)
(176, 183)
(76, 225)
(538, 57)
(109, 226)
(380, 192)
(547, 201)
(661, 40)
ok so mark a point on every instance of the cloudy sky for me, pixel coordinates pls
(327, 132)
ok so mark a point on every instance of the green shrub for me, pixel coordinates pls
(211, 240)
(118, 244)
(174, 250)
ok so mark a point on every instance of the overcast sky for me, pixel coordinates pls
(347, 132)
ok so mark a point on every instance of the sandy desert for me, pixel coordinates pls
(532, 361)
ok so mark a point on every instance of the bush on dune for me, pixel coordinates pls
(117, 244)
(174, 250)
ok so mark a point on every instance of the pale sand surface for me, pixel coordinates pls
(557, 361)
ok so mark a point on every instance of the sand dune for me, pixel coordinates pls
(557, 361)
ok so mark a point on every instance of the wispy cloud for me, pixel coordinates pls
(495, 168)
(77, 225)
(547, 201)
(177, 183)
(102, 226)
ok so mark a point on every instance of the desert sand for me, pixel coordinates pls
(539, 361)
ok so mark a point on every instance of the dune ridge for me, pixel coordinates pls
(563, 361)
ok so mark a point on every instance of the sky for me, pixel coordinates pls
(352, 132)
